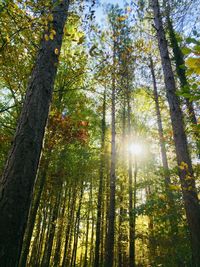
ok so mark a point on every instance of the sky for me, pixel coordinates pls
(100, 14)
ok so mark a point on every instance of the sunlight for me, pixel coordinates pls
(136, 149)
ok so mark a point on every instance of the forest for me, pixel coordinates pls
(99, 133)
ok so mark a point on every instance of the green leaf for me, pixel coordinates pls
(186, 50)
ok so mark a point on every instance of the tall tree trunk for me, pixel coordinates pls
(170, 198)
(86, 262)
(91, 259)
(103, 229)
(72, 205)
(183, 158)
(49, 241)
(36, 241)
(100, 192)
(180, 63)
(160, 129)
(77, 228)
(57, 255)
(122, 212)
(20, 172)
(111, 211)
(33, 212)
(130, 175)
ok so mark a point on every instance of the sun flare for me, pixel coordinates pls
(136, 149)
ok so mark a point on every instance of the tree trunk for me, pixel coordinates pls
(111, 211)
(57, 255)
(160, 129)
(190, 197)
(180, 63)
(33, 212)
(72, 205)
(170, 199)
(49, 241)
(77, 229)
(122, 213)
(100, 193)
(130, 175)
(20, 172)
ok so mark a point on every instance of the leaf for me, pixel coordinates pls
(191, 40)
(50, 17)
(46, 37)
(174, 187)
(51, 36)
(194, 64)
(186, 50)
(56, 51)
(81, 40)
(122, 18)
(91, 52)
(183, 166)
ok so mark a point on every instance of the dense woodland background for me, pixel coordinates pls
(103, 170)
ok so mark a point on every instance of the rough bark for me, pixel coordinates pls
(20, 172)
(33, 212)
(190, 197)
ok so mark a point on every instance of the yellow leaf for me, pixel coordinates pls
(122, 18)
(53, 32)
(46, 37)
(162, 197)
(50, 18)
(8, 39)
(190, 188)
(51, 36)
(194, 64)
(183, 166)
(56, 51)
(174, 187)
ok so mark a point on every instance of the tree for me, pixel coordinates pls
(100, 191)
(21, 168)
(181, 72)
(183, 158)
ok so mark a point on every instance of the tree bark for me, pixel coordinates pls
(100, 193)
(130, 175)
(71, 213)
(122, 237)
(49, 241)
(190, 197)
(111, 211)
(33, 212)
(77, 228)
(20, 172)
(180, 69)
